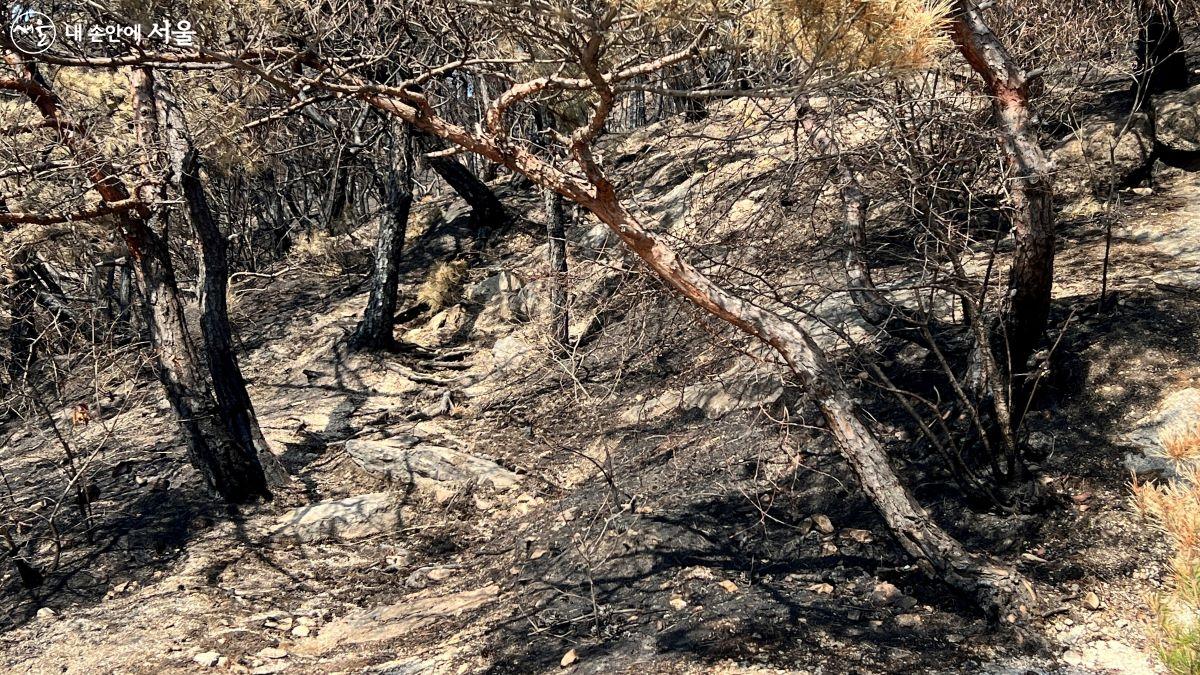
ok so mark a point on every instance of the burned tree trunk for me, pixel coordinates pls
(225, 373)
(228, 468)
(228, 462)
(1031, 187)
(556, 259)
(1161, 59)
(375, 330)
(22, 334)
(487, 210)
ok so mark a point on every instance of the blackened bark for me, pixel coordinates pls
(22, 335)
(638, 116)
(225, 373)
(229, 385)
(486, 207)
(337, 192)
(229, 466)
(556, 257)
(1161, 59)
(375, 330)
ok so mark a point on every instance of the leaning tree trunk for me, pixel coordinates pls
(228, 463)
(1161, 59)
(225, 373)
(22, 335)
(556, 258)
(486, 208)
(376, 329)
(229, 385)
(228, 468)
(999, 589)
(1026, 308)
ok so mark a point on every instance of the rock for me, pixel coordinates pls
(412, 614)
(500, 295)
(1091, 601)
(1178, 413)
(1177, 120)
(909, 620)
(677, 603)
(46, 614)
(301, 631)
(340, 519)
(822, 523)
(859, 536)
(1101, 153)
(271, 653)
(598, 239)
(403, 459)
(569, 658)
(207, 659)
(885, 593)
(513, 352)
(440, 573)
(821, 589)
(743, 386)
(729, 586)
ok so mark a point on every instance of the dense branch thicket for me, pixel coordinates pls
(298, 122)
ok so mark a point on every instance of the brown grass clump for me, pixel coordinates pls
(443, 286)
(1181, 443)
(1175, 507)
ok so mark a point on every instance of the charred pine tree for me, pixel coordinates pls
(486, 208)
(229, 464)
(1026, 309)
(228, 468)
(376, 329)
(225, 373)
(556, 258)
(20, 295)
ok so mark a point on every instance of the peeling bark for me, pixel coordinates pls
(1026, 308)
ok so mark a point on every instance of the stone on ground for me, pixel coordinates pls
(339, 519)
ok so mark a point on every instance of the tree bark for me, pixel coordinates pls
(486, 208)
(219, 434)
(556, 258)
(1031, 277)
(225, 373)
(230, 470)
(22, 335)
(1161, 59)
(376, 329)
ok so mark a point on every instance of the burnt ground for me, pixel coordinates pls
(678, 541)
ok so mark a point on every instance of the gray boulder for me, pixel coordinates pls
(339, 519)
(409, 458)
(1102, 152)
(1177, 416)
(1177, 120)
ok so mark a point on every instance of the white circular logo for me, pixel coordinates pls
(31, 31)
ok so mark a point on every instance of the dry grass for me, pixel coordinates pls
(1181, 443)
(443, 286)
(1175, 507)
